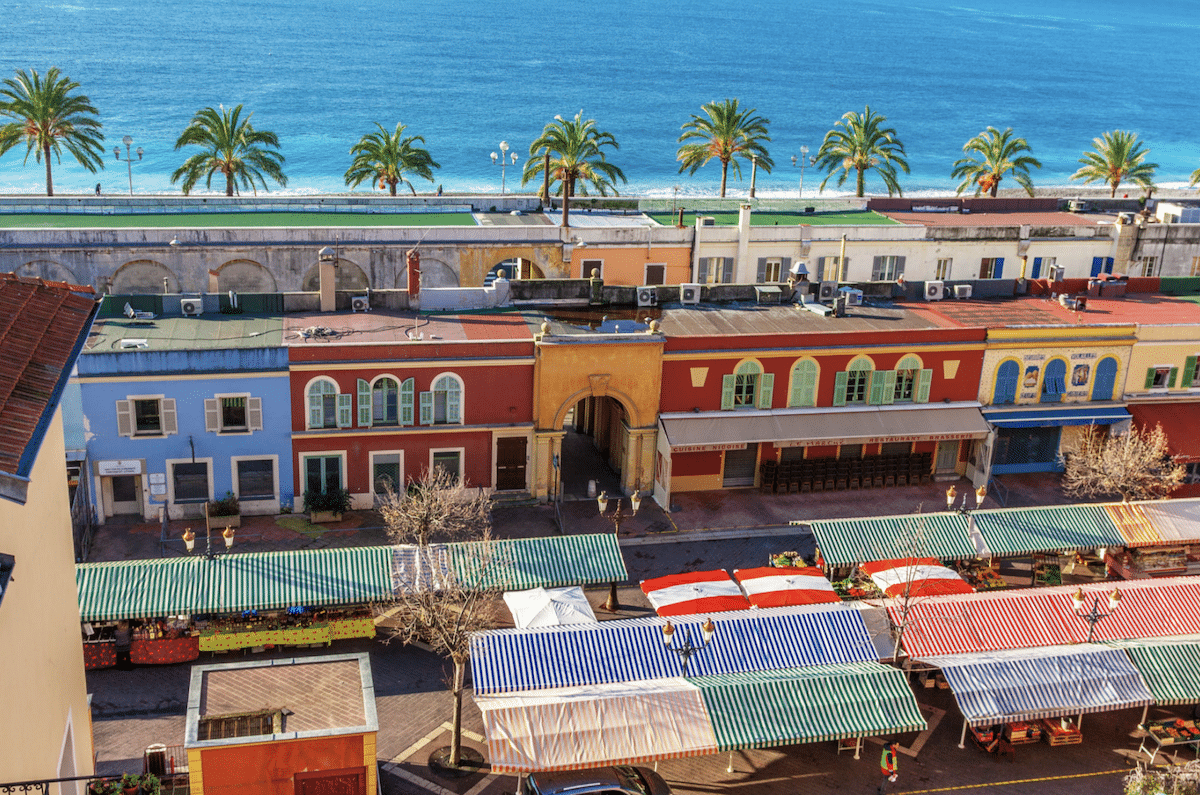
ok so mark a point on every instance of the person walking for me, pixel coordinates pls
(888, 766)
(124, 638)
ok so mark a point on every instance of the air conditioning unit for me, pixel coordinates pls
(827, 291)
(647, 296)
(962, 291)
(935, 291)
(191, 306)
(1056, 273)
(689, 293)
(854, 297)
(361, 303)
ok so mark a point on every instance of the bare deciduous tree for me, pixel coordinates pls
(911, 543)
(435, 508)
(1136, 466)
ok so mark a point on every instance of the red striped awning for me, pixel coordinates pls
(917, 577)
(694, 592)
(1135, 527)
(1046, 617)
(784, 587)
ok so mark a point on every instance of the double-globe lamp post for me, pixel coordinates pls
(803, 160)
(503, 159)
(128, 141)
(616, 517)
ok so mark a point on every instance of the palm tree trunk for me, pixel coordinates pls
(228, 183)
(49, 180)
(392, 188)
(546, 179)
(1112, 195)
(862, 183)
(995, 189)
(724, 175)
(568, 189)
(456, 730)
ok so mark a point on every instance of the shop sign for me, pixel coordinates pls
(114, 468)
(708, 448)
(927, 437)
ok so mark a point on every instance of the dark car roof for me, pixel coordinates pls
(565, 782)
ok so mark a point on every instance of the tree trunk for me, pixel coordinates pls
(995, 189)
(228, 183)
(1113, 195)
(724, 175)
(456, 731)
(568, 188)
(49, 180)
(392, 188)
(862, 183)
(546, 179)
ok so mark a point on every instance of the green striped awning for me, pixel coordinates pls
(1169, 666)
(801, 705)
(1063, 528)
(232, 583)
(926, 535)
(523, 563)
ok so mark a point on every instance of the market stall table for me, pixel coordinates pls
(1171, 733)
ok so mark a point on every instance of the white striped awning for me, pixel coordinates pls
(573, 655)
(1009, 686)
(913, 578)
(768, 586)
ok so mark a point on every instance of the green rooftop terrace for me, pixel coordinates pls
(839, 218)
(224, 220)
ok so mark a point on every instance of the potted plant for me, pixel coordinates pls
(326, 506)
(225, 512)
(129, 784)
(150, 784)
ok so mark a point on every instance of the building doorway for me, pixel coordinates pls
(593, 448)
(125, 495)
(740, 467)
(947, 458)
(511, 455)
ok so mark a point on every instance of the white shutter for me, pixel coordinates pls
(125, 418)
(212, 415)
(254, 413)
(169, 425)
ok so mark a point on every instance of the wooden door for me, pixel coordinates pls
(510, 463)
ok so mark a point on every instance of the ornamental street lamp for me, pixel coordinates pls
(189, 541)
(128, 140)
(616, 517)
(502, 158)
(952, 493)
(687, 647)
(804, 159)
(753, 173)
(1093, 616)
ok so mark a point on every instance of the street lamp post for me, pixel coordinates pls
(952, 493)
(753, 173)
(612, 604)
(802, 162)
(503, 158)
(688, 647)
(128, 141)
(1094, 616)
(189, 541)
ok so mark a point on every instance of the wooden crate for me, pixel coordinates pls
(1022, 733)
(1055, 734)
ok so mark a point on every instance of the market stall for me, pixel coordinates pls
(845, 542)
(694, 592)
(915, 577)
(1014, 532)
(769, 586)
(549, 607)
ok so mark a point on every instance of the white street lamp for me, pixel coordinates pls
(802, 162)
(503, 160)
(128, 140)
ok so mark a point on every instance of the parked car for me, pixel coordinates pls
(606, 780)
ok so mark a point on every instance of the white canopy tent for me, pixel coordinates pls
(549, 607)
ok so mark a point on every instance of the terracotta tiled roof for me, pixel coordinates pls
(41, 325)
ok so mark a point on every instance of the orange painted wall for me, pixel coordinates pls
(267, 768)
(628, 265)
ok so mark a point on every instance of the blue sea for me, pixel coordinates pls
(467, 74)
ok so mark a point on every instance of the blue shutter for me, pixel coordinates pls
(1097, 266)
(1106, 376)
(998, 272)
(1108, 264)
(427, 408)
(1037, 268)
(1006, 383)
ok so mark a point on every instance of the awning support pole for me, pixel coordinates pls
(1145, 712)
(1079, 722)
(962, 741)
(857, 746)
(730, 768)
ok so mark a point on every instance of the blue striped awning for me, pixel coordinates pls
(1073, 414)
(925, 535)
(1027, 684)
(1062, 528)
(631, 650)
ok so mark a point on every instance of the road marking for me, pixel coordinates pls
(1017, 781)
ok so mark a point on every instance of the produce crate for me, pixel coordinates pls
(1055, 734)
(1022, 733)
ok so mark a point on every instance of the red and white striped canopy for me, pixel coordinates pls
(694, 592)
(919, 577)
(783, 587)
(1046, 617)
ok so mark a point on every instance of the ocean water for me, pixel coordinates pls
(467, 74)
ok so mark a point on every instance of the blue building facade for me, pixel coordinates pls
(179, 411)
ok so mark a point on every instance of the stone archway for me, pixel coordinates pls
(514, 268)
(49, 270)
(434, 273)
(349, 277)
(143, 276)
(245, 276)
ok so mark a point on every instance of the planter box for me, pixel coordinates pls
(221, 522)
(322, 517)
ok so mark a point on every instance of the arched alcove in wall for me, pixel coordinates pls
(143, 276)
(348, 277)
(49, 270)
(245, 276)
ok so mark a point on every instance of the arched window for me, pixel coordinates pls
(385, 402)
(1054, 381)
(804, 383)
(851, 385)
(323, 404)
(747, 387)
(447, 400)
(1007, 377)
(908, 370)
(1105, 379)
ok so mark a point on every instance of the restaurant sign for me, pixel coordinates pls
(708, 448)
(115, 468)
(930, 437)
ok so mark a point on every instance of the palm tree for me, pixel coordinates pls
(859, 142)
(727, 134)
(1195, 180)
(232, 147)
(576, 158)
(49, 117)
(1116, 156)
(385, 159)
(996, 154)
